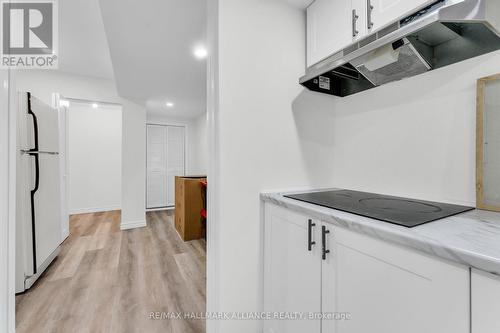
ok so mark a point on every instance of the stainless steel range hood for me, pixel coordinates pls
(444, 33)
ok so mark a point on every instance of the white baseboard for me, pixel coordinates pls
(64, 234)
(132, 225)
(93, 210)
(160, 209)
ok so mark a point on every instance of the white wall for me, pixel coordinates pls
(43, 83)
(412, 138)
(133, 165)
(95, 146)
(199, 145)
(261, 56)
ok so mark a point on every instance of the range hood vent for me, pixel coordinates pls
(392, 62)
(442, 34)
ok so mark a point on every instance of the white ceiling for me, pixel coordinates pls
(145, 46)
(83, 48)
(151, 44)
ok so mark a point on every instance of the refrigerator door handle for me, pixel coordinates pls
(34, 152)
(38, 152)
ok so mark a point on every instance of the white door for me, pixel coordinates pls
(156, 166)
(292, 272)
(165, 160)
(391, 289)
(388, 11)
(175, 159)
(329, 28)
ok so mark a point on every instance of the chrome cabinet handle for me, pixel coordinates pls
(369, 9)
(310, 242)
(324, 251)
(355, 18)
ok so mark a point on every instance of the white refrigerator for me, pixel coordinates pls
(38, 204)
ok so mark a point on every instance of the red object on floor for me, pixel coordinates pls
(203, 212)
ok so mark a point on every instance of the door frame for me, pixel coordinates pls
(8, 125)
(213, 265)
(186, 159)
(64, 112)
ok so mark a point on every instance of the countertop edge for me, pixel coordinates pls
(398, 235)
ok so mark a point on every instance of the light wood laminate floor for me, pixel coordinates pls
(108, 280)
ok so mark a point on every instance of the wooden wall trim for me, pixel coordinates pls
(480, 109)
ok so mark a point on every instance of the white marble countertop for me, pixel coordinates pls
(471, 238)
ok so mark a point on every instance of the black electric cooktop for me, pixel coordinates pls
(401, 211)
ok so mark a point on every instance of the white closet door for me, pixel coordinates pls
(165, 160)
(175, 159)
(156, 166)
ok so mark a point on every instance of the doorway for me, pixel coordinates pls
(94, 157)
(91, 158)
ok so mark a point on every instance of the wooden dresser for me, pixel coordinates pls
(189, 194)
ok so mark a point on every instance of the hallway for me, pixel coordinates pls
(108, 280)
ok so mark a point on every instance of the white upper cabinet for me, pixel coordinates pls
(329, 28)
(334, 24)
(359, 19)
(383, 12)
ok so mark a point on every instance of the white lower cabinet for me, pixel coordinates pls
(485, 302)
(391, 289)
(292, 273)
(377, 286)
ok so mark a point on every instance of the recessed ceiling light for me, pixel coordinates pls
(95, 106)
(170, 104)
(200, 52)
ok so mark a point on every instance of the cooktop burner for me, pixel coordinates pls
(396, 210)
